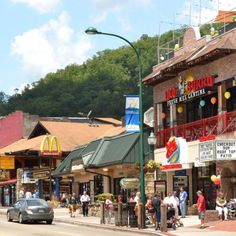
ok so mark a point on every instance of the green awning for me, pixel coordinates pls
(65, 166)
(121, 149)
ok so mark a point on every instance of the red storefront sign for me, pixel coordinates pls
(171, 166)
(189, 87)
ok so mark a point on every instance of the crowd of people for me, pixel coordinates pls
(176, 203)
(28, 194)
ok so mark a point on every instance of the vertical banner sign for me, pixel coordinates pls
(132, 113)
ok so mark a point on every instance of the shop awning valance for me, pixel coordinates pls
(8, 182)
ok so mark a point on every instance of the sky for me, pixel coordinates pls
(42, 36)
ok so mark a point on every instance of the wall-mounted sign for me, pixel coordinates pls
(7, 163)
(50, 146)
(188, 88)
(176, 154)
(27, 177)
(206, 151)
(225, 149)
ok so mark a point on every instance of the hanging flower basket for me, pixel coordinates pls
(151, 166)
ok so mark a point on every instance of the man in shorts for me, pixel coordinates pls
(201, 206)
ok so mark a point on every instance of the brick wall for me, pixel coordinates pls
(15, 126)
(224, 67)
(11, 128)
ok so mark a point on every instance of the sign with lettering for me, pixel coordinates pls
(225, 149)
(188, 88)
(206, 151)
(7, 163)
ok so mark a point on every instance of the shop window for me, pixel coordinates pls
(166, 113)
(231, 102)
(126, 193)
(204, 172)
(85, 186)
(205, 184)
(98, 184)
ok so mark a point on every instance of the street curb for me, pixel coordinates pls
(112, 228)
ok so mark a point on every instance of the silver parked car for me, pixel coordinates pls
(30, 210)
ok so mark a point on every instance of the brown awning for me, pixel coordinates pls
(216, 48)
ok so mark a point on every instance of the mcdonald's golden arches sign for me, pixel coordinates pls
(50, 146)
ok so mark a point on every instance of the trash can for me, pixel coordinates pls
(132, 218)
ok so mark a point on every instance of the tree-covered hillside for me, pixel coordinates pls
(98, 85)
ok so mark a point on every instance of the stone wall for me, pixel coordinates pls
(149, 183)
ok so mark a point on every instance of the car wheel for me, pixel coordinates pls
(8, 216)
(49, 222)
(20, 219)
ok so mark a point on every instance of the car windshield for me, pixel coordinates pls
(36, 202)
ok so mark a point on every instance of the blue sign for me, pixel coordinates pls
(180, 173)
(132, 113)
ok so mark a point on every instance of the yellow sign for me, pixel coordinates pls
(50, 146)
(7, 163)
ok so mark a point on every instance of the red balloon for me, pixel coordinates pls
(217, 182)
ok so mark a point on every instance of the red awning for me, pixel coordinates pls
(12, 181)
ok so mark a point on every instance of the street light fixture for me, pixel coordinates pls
(152, 139)
(92, 31)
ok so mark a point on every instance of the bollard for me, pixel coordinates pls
(102, 213)
(163, 226)
(141, 217)
(119, 216)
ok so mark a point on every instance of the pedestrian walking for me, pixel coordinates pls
(85, 199)
(156, 202)
(183, 202)
(150, 210)
(109, 209)
(201, 206)
(72, 205)
(21, 193)
(28, 195)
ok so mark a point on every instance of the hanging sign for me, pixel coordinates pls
(132, 113)
(7, 163)
(225, 149)
(176, 154)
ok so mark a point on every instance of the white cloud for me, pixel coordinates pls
(116, 8)
(41, 6)
(50, 47)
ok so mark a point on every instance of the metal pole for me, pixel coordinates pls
(50, 180)
(158, 44)
(141, 153)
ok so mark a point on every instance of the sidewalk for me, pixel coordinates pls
(191, 225)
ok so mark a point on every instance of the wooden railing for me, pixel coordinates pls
(215, 125)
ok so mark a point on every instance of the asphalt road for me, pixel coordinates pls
(56, 229)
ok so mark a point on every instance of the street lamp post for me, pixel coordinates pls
(93, 31)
